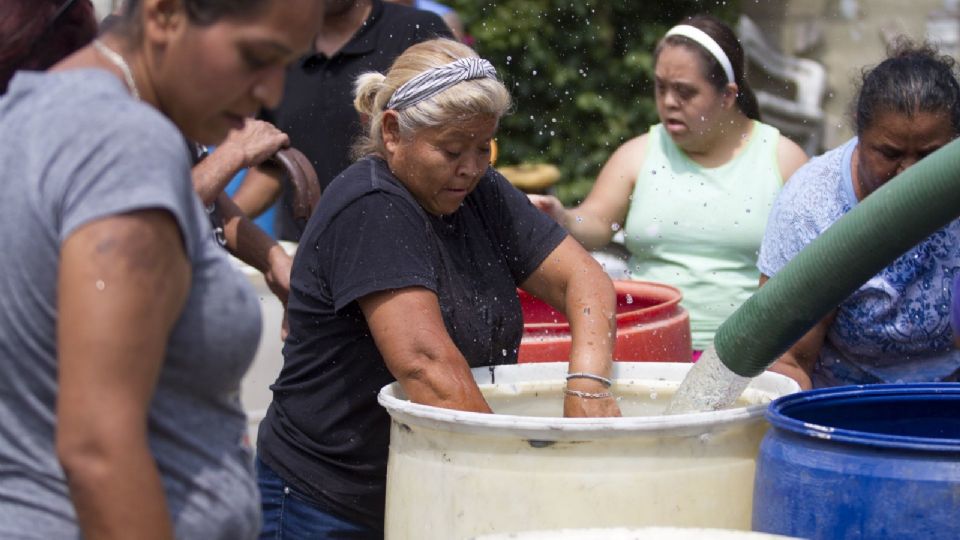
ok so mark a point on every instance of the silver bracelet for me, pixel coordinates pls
(587, 395)
(581, 375)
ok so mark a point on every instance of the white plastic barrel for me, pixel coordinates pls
(645, 533)
(455, 474)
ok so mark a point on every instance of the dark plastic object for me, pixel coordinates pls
(870, 462)
(303, 180)
(651, 326)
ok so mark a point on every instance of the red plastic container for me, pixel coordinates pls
(651, 326)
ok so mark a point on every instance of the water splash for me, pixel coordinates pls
(708, 386)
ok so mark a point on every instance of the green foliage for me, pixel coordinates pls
(580, 73)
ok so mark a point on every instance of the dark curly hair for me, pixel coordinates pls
(915, 77)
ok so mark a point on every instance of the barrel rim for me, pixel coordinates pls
(667, 308)
(777, 416)
(576, 429)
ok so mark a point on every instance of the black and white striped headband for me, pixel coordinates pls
(435, 80)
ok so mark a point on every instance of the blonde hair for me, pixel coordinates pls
(467, 99)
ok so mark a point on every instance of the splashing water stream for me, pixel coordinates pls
(708, 386)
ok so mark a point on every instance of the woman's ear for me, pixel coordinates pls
(162, 19)
(730, 92)
(390, 131)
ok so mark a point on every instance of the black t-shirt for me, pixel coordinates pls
(317, 108)
(325, 433)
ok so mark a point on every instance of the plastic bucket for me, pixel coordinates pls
(862, 462)
(651, 326)
(454, 474)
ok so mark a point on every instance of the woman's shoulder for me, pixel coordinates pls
(628, 158)
(102, 106)
(367, 186)
(369, 176)
(86, 120)
(815, 191)
(790, 157)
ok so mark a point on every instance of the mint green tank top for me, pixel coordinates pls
(699, 229)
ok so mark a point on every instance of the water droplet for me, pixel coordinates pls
(629, 299)
(101, 285)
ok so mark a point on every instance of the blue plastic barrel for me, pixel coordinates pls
(873, 462)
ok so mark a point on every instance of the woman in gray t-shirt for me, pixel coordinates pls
(124, 332)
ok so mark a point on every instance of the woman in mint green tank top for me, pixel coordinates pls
(693, 193)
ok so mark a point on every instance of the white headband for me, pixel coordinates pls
(707, 43)
(435, 80)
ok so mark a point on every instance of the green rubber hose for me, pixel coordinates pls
(883, 226)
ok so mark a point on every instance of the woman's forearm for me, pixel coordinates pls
(213, 173)
(114, 485)
(571, 281)
(408, 328)
(589, 226)
(590, 306)
(245, 240)
(440, 381)
(591, 230)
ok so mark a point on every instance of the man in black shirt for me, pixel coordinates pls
(317, 108)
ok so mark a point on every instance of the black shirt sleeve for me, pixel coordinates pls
(378, 242)
(526, 234)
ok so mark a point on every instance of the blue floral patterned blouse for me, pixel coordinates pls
(896, 327)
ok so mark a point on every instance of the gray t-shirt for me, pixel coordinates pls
(75, 147)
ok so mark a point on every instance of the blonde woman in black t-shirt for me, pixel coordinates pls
(408, 271)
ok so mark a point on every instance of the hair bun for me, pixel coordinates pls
(365, 91)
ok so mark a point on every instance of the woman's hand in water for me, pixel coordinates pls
(581, 400)
(549, 205)
(578, 407)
